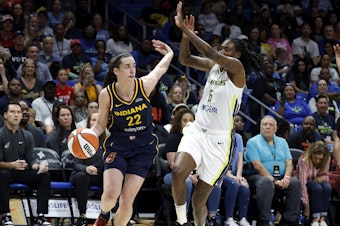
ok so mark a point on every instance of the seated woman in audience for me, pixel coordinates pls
(292, 109)
(79, 107)
(299, 77)
(87, 84)
(64, 124)
(120, 41)
(312, 169)
(178, 123)
(86, 173)
(175, 96)
(236, 188)
(31, 86)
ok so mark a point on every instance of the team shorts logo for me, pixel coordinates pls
(110, 157)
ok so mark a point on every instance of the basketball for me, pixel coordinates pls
(83, 143)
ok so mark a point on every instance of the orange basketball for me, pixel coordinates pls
(83, 143)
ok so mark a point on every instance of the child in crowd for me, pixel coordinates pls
(64, 92)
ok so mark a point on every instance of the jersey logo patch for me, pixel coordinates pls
(110, 157)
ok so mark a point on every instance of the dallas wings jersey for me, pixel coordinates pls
(221, 100)
(130, 123)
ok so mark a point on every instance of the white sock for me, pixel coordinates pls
(181, 212)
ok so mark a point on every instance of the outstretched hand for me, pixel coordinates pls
(161, 47)
(188, 21)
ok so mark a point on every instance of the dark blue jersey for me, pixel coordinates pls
(130, 123)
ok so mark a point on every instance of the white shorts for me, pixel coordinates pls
(210, 150)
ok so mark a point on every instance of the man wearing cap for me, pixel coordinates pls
(6, 35)
(43, 73)
(75, 60)
(44, 105)
(18, 51)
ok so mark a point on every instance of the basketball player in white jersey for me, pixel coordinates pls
(207, 143)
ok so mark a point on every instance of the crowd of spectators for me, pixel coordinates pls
(54, 57)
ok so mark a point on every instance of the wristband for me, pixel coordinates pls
(287, 177)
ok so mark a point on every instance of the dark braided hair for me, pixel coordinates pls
(252, 62)
(114, 63)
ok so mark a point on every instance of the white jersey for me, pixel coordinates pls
(221, 100)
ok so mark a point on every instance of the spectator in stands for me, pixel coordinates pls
(306, 136)
(239, 128)
(38, 133)
(28, 8)
(79, 108)
(43, 23)
(180, 120)
(305, 48)
(69, 21)
(88, 41)
(18, 51)
(42, 71)
(272, 162)
(330, 51)
(46, 55)
(328, 33)
(97, 22)
(120, 41)
(43, 105)
(174, 98)
(14, 95)
(73, 62)
(101, 61)
(143, 56)
(281, 63)
(337, 30)
(18, 17)
(189, 96)
(64, 92)
(64, 125)
(153, 17)
(235, 31)
(33, 33)
(299, 77)
(325, 62)
(312, 170)
(86, 173)
(236, 188)
(333, 89)
(336, 149)
(278, 41)
(16, 165)
(55, 14)
(207, 18)
(239, 18)
(254, 40)
(265, 88)
(30, 84)
(84, 18)
(92, 107)
(87, 84)
(3, 78)
(6, 34)
(61, 45)
(325, 123)
(317, 25)
(322, 87)
(292, 109)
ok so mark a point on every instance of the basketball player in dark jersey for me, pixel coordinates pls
(129, 150)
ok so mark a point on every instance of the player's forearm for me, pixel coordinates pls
(185, 52)
(202, 46)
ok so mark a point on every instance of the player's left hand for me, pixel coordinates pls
(161, 47)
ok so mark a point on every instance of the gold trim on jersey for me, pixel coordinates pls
(142, 90)
(133, 97)
(110, 116)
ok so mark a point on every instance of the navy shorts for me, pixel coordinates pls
(137, 162)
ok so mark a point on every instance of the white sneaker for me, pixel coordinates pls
(230, 222)
(323, 223)
(315, 223)
(244, 222)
